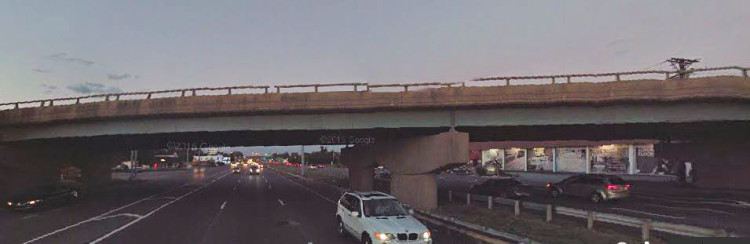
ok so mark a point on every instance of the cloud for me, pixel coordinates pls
(615, 42)
(623, 52)
(63, 57)
(121, 77)
(48, 89)
(93, 88)
(40, 70)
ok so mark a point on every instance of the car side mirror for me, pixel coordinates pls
(355, 214)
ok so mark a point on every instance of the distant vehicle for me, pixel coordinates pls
(236, 170)
(505, 187)
(376, 217)
(199, 170)
(254, 170)
(596, 187)
(42, 196)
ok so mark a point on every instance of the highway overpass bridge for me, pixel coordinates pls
(413, 132)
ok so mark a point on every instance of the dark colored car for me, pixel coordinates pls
(42, 196)
(595, 187)
(506, 187)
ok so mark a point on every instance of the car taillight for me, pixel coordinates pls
(612, 187)
(548, 185)
(627, 186)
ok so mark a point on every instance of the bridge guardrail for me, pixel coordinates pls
(646, 225)
(193, 91)
(617, 75)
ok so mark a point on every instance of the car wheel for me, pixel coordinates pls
(596, 197)
(341, 228)
(366, 240)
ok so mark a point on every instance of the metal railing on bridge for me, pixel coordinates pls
(368, 87)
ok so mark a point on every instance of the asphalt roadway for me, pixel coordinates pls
(181, 207)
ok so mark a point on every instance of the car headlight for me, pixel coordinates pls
(32, 202)
(383, 236)
(10, 203)
(426, 235)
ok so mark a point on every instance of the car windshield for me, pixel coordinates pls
(383, 207)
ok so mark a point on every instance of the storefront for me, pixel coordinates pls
(605, 157)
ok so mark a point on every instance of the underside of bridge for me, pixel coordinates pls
(32, 162)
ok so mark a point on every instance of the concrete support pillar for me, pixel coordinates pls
(361, 179)
(419, 191)
(360, 160)
(413, 163)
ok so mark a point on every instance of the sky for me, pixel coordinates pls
(71, 48)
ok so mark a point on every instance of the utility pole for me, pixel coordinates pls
(302, 164)
(681, 64)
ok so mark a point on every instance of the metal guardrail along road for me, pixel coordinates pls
(646, 225)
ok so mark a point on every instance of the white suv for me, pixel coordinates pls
(376, 217)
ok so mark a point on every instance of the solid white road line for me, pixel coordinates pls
(102, 215)
(281, 202)
(118, 215)
(691, 209)
(308, 189)
(223, 205)
(152, 212)
(29, 216)
(89, 220)
(738, 204)
(647, 213)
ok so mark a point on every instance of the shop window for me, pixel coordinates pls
(541, 159)
(645, 162)
(492, 156)
(515, 159)
(609, 159)
(571, 159)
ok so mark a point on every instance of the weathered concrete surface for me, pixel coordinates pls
(699, 89)
(419, 191)
(361, 163)
(423, 155)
